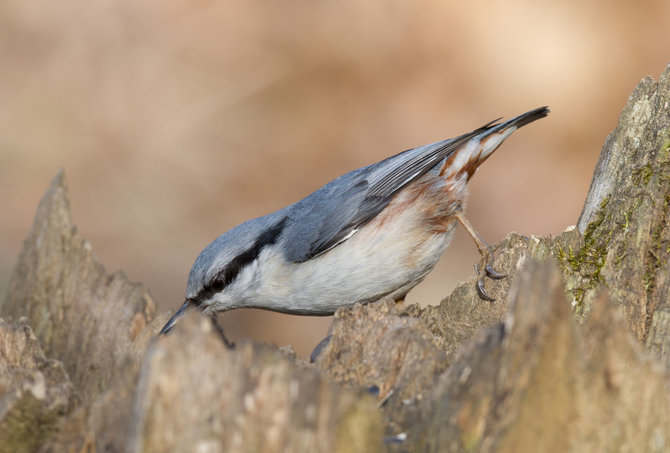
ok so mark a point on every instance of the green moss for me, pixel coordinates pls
(642, 175)
(583, 261)
(585, 264)
(658, 250)
(560, 255)
(578, 295)
(654, 259)
(623, 226)
(618, 259)
(666, 147)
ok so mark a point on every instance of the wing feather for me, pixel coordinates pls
(333, 214)
(348, 203)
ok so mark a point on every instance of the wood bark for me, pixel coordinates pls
(573, 355)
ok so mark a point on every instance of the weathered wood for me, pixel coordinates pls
(35, 392)
(195, 394)
(625, 218)
(379, 346)
(541, 382)
(82, 316)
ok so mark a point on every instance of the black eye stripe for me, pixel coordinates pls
(235, 266)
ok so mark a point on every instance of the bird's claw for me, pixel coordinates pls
(487, 258)
(490, 273)
(481, 292)
(493, 274)
(487, 263)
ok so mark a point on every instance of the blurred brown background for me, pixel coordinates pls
(176, 120)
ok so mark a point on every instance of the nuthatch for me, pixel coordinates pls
(372, 233)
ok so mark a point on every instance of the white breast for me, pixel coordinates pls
(386, 257)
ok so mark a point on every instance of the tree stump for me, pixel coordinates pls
(573, 356)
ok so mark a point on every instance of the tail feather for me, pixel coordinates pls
(521, 120)
(472, 153)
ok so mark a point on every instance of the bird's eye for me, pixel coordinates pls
(217, 284)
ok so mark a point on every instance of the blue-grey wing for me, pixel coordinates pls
(335, 212)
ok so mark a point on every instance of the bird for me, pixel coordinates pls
(372, 233)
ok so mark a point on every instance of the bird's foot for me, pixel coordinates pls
(486, 263)
(219, 330)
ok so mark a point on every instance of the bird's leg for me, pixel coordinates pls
(487, 257)
(219, 330)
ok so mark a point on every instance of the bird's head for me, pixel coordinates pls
(224, 272)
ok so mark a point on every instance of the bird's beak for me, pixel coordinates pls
(170, 324)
